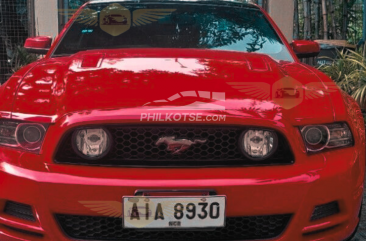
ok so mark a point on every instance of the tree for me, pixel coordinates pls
(296, 20)
(325, 18)
(345, 19)
(307, 19)
(341, 19)
(317, 18)
(333, 20)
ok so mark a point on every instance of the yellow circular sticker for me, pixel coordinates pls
(115, 19)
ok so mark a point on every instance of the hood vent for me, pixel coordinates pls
(92, 61)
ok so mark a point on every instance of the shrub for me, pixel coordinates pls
(348, 71)
(21, 58)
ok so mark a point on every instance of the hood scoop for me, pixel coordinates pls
(92, 61)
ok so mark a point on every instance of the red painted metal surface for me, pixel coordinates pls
(306, 47)
(113, 86)
(42, 42)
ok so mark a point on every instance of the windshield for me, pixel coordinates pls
(174, 25)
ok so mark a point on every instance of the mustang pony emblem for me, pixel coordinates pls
(177, 146)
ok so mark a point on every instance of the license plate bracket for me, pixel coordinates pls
(174, 212)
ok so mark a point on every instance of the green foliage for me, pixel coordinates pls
(75, 4)
(349, 73)
(354, 19)
(21, 58)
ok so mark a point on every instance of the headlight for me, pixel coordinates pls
(319, 137)
(258, 144)
(92, 143)
(27, 136)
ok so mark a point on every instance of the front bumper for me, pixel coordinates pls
(250, 191)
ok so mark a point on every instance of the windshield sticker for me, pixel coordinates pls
(87, 30)
(146, 16)
(88, 17)
(116, 19)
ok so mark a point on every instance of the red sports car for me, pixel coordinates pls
(169, 130)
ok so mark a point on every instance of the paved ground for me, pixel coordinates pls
(361, 233)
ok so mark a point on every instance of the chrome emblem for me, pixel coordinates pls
(177, 146)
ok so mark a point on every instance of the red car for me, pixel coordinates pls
(89, 151)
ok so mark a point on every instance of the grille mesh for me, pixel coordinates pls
(136, 146)
(239, 228)
(19, 210)
(325, 210)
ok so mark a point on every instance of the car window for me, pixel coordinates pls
(178, 25)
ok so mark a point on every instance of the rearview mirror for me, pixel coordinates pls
(305, 48)
(38, 45)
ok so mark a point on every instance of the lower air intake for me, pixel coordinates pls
(19, 210)
(238, 228)
(325, 210)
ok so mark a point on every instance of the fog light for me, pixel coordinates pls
(92, 143)
(259, 144)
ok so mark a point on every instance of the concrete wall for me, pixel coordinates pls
(282, 12)
(46, 17)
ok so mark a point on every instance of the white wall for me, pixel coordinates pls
(46, 17)
(282, 12)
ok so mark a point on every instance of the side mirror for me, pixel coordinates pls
(38, 45)
(305, 48)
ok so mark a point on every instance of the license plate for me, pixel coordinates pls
(174, 212)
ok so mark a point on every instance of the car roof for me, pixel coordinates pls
(216, 2)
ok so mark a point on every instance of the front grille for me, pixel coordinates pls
(19, 210)
(239, 228)
(135, 146)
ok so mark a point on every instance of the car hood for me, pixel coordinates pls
(136, 80)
